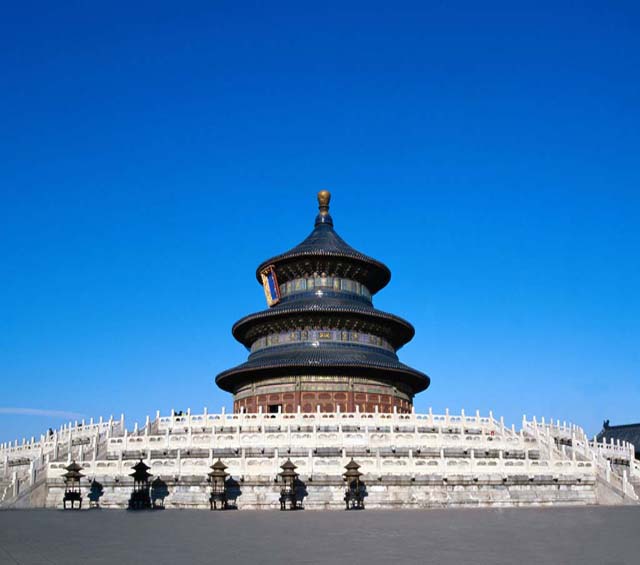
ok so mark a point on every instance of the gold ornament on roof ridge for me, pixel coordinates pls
(324, 197)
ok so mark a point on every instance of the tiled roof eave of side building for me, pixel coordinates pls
(624, 432)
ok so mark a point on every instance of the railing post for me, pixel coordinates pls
(55, 444)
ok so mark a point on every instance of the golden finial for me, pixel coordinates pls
(324, 197)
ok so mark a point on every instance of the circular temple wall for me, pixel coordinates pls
(346, 394)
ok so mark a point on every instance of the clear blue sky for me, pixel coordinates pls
(152, 155)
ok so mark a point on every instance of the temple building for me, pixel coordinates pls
(323, 419)
(321, 344)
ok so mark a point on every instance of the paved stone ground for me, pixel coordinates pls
(558, 536)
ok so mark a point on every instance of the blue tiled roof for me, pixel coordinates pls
(626, 432)
(326, 245)
(400, 331)
(308, 360)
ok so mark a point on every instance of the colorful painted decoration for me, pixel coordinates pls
(270, 284)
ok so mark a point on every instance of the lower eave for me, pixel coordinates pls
(417, 381)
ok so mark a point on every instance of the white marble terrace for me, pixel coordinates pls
(413, 446)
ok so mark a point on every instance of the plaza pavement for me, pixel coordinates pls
(540, 536)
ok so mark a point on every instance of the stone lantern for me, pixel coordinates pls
(217, 478)
(72, 486)
(356, 490)
(288, 494)
(140, 497)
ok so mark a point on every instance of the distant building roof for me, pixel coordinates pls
(626, 432)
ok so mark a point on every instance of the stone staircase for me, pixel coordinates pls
(572, 442)
(6, 490)
(634, 480)
(24, 466)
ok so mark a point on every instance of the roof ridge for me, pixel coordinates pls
(619, 426)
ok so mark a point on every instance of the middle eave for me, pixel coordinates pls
(286, 317)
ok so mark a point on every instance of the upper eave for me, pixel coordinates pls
(325, 251)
